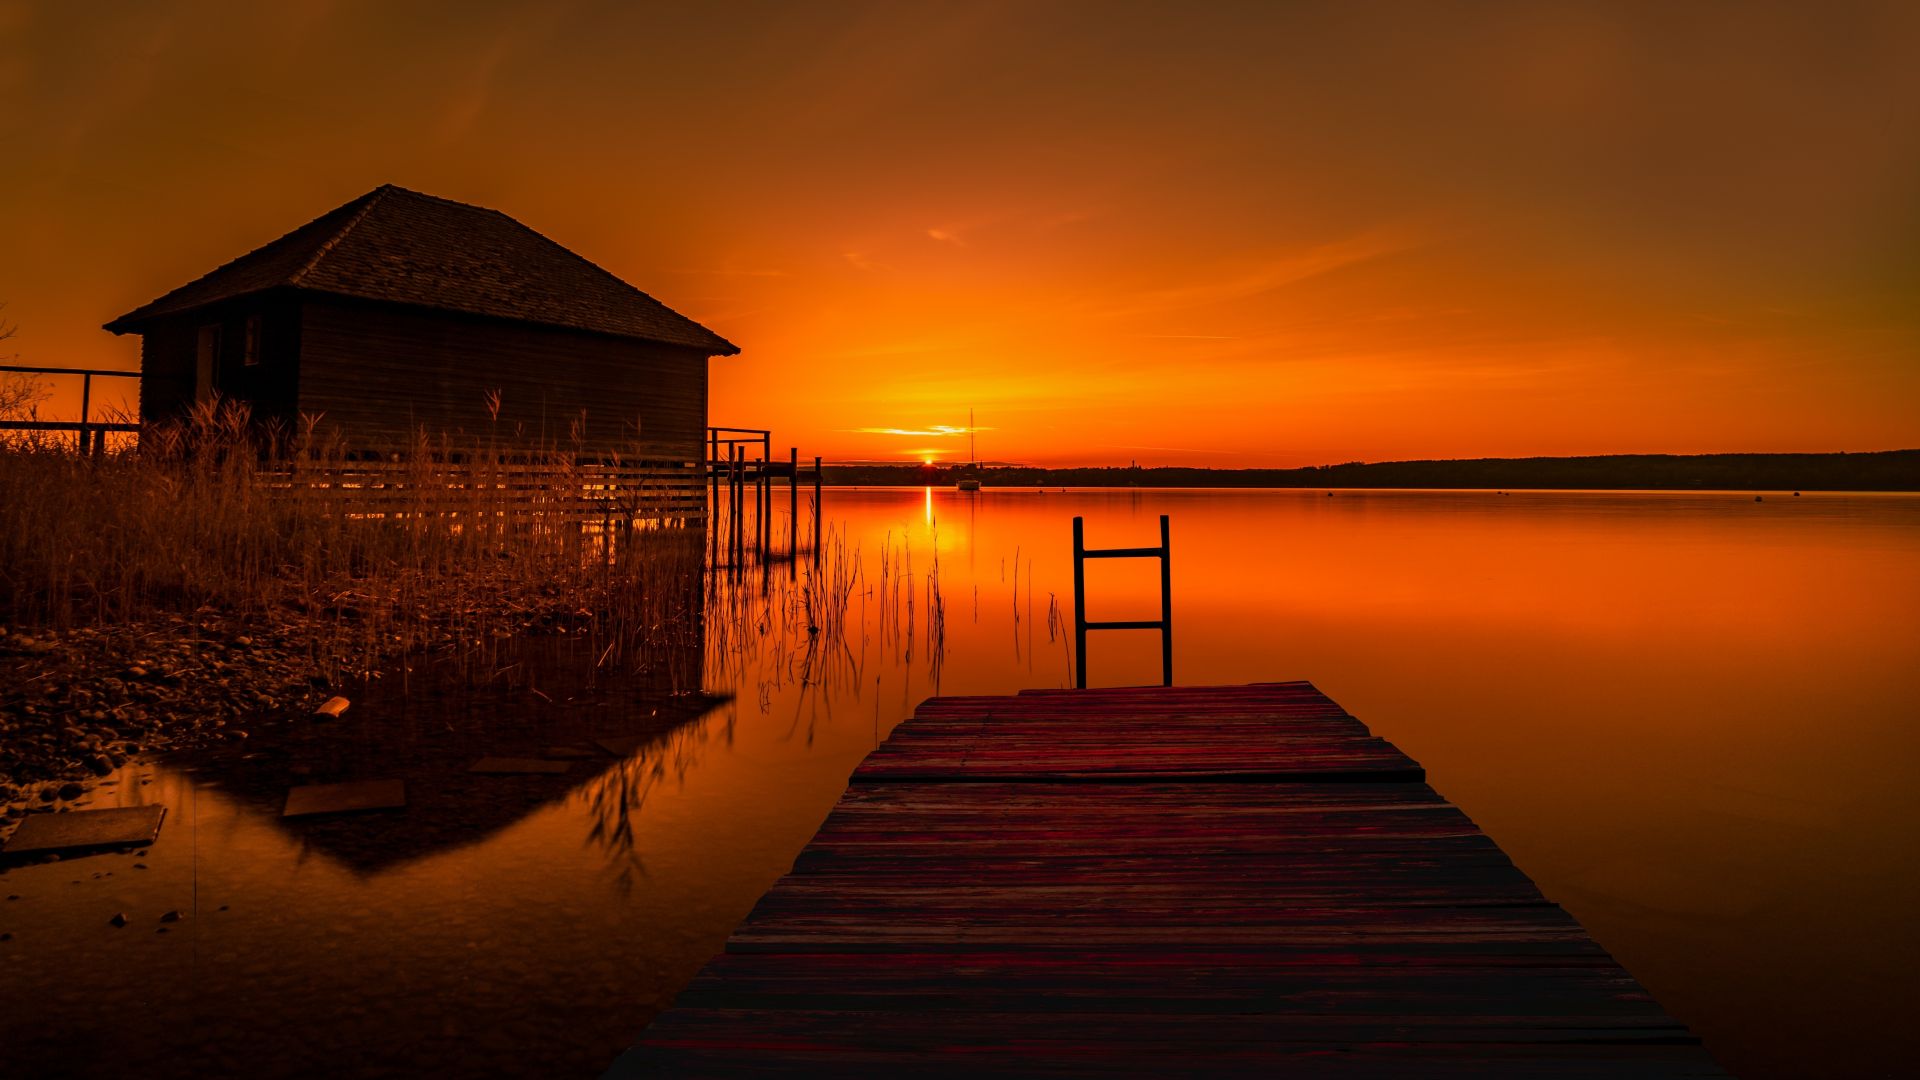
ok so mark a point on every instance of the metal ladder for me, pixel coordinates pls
(1164, 623)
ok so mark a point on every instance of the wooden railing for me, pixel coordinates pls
(91, 433)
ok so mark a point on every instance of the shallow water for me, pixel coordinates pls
(1687, 716)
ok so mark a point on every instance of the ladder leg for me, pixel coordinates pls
(1166, 604)
(1079, 603)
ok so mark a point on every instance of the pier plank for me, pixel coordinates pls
(1193, 880)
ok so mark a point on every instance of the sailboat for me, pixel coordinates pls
(970, 483)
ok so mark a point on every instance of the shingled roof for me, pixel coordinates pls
(404, 247)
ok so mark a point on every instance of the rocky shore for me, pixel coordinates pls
(75, 705)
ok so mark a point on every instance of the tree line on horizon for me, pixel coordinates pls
(1888, 470)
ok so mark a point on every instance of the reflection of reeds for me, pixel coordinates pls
(1057, 632)
(616, 798)
(762, 639)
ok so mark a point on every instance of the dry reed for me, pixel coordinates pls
(447, 545)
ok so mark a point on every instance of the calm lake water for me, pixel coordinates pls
(1690, 717)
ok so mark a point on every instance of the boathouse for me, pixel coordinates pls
(400, 313)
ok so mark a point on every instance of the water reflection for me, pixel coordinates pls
(431, 743)
(1688, 717)
(616, 796)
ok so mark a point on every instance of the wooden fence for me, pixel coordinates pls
(90, 436)
(617, 491)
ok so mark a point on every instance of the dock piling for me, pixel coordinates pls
(741, 469)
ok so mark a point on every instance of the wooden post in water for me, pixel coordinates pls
(763, 525)
(816, 509)
(763, 499)
(734, 540)
(1164, 623)
(793, 503)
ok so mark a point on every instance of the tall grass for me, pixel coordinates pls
(450, 548)
(450, 543)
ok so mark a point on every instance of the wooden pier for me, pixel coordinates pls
(742, 459)
(1182, 881)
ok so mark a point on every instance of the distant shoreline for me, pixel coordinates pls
(1887, 470)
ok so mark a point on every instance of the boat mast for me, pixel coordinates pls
(973, 458)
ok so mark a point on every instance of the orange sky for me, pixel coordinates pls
(1220, 234)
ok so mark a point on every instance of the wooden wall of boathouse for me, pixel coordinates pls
(169, 358)
(378, 372)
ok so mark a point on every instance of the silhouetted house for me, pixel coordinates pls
(401, 312)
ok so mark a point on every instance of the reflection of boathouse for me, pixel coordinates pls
(607, 745)
(400, 311)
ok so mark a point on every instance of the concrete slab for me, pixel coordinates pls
(518, 765)
(78, 830)
(346, 798)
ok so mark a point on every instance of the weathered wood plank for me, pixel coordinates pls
(1148, 881)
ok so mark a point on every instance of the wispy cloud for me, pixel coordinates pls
(947, 235)
(1167, 449)
(937, 431)
(1068, 217)
(726, 272)
(859, 261)
(1267, 275)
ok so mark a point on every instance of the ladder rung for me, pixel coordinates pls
(1126, 553)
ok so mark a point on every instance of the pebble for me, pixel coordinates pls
(94, 705)
(171, 916)
(119, 919)
(89, 701)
